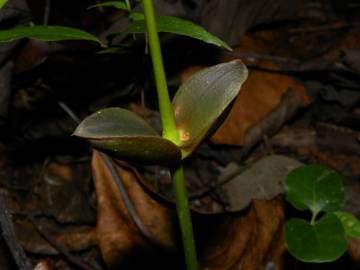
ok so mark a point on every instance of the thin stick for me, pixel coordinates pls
(8, 233)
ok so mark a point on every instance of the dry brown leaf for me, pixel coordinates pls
(70, 238)
(263, 180)
(120, 240)
(245, 242)
(261, 94)
(223, 241)
(354, 249)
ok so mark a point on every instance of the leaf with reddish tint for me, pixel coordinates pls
(125, 135)
(203, 99)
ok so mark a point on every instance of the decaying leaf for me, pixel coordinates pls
(223, 240)
(120, 240)
(203, 98)
(246, 242)
(262, 93)
(262, 180)
(77, 238)
(127, 136)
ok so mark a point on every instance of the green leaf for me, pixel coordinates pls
(324, 241)
(2, 3)
(116, 4)
(203, 98)
(137, 16)
(350, 223)
(125, 135)
(170, 24)
(46, 33)
(315, 187)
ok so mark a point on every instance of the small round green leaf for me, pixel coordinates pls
(125, 135)
(203, 99)
(170, 24)
(46, 33)
(350, 223)
(324, 241)
(316, 188)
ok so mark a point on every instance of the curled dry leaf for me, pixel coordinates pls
(120, 240)
(223, 240)
(203, 98)
(125, 135)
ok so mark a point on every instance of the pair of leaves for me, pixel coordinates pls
(318, 189)
(198, 105)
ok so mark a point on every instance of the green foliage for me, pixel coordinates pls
(127, 136)
(323, 241)
(116, 4)
(350, 223)
(318, 189)
(202, 99)
(46, 33)
(2, 3)
(170, 24)
(197, 105)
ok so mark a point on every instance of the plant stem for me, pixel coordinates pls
(128, 6)
(182, 207)
(166, 110)
(313, 218)
(170, 132)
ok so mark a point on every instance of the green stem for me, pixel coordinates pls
(128, 6)
(170, 132)
(182, 207)
(166, 110)
(313, 218)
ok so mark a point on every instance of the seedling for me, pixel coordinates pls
(194, 112)
(197, 108)
(323, 239)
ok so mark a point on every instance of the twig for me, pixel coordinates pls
(46, 12)
(127, 200)
(333, 26)
(8, 233)
(70, 258)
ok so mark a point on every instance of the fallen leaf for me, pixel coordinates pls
(261, 94)
(263, 180)
(247, 241)
(78, 238)
(223, 241)
(120, 240)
